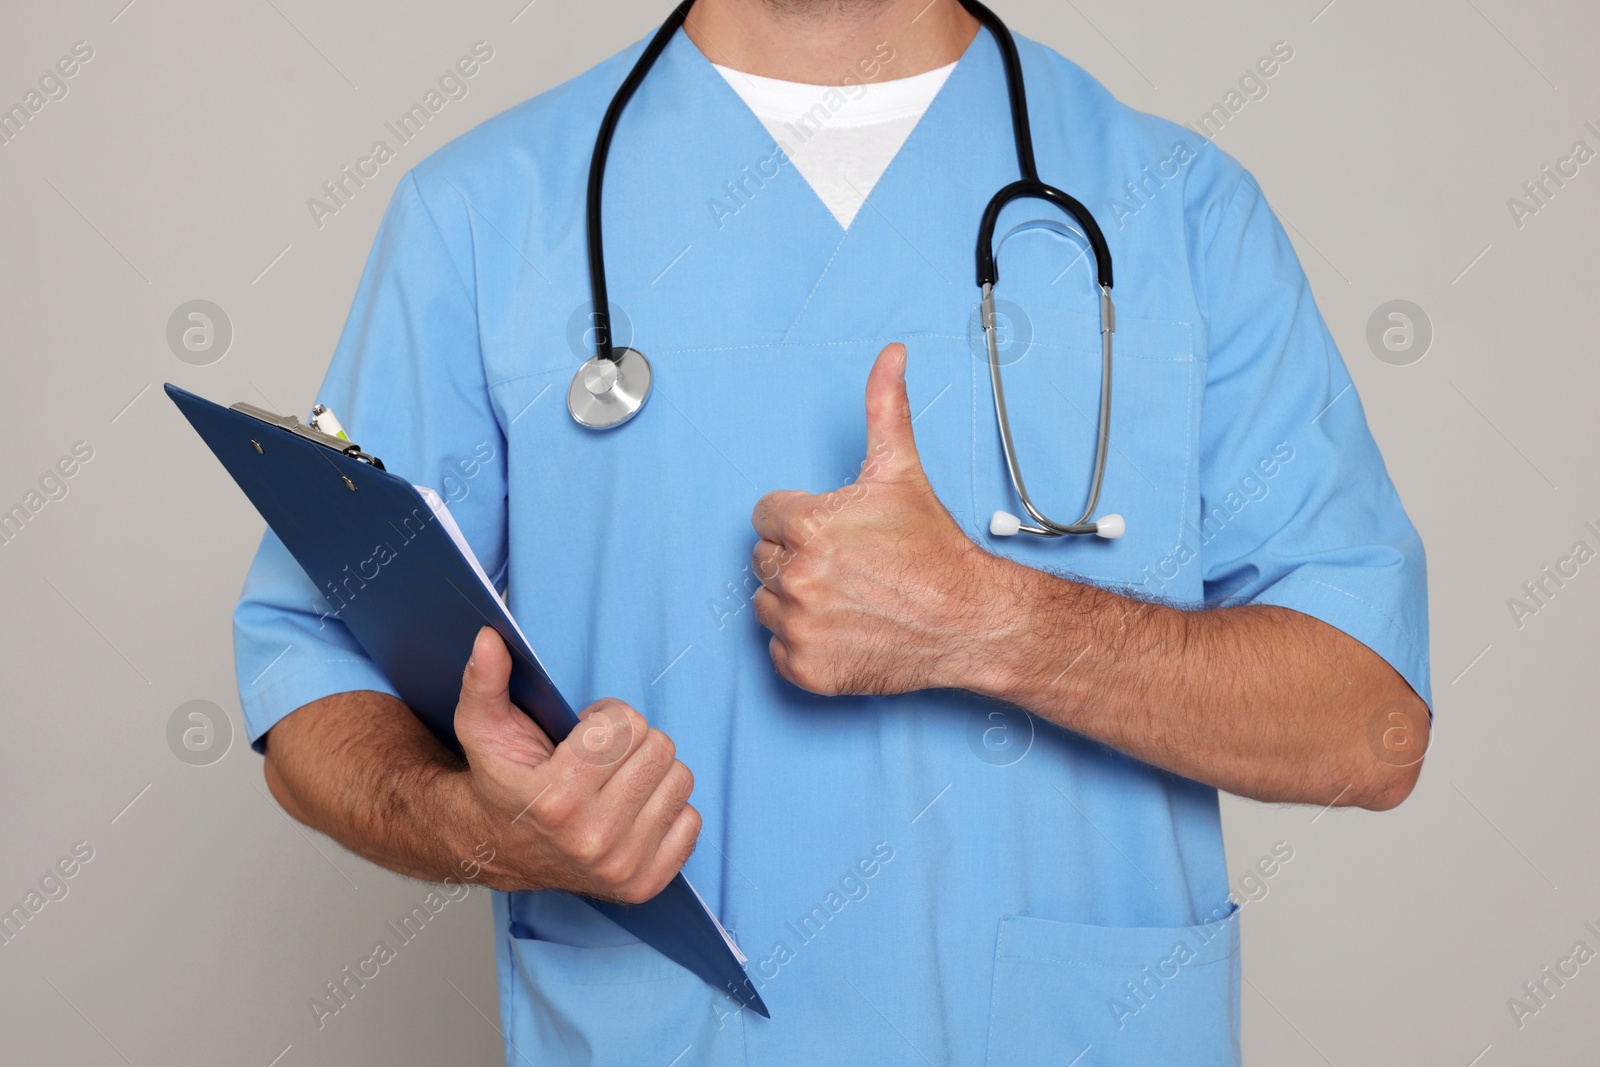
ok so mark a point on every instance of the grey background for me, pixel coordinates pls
(178, 167)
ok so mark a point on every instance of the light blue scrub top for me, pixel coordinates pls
(921, 879)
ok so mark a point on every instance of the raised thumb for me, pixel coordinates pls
(891, 447)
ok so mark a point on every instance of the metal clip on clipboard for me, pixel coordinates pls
(310, 433)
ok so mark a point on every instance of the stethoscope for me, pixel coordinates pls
(611, 388)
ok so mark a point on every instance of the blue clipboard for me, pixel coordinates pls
(330, 504)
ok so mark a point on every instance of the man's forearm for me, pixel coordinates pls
(361, 768)
(1260, 701)
(603, 814)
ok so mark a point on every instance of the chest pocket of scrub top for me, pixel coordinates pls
(1105, 996)
(1051, 355)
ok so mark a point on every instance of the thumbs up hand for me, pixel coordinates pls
(871, 588)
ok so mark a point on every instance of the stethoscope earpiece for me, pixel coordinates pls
(1110, 527)
(1005, 524)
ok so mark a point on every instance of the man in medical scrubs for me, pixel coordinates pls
(955, 796)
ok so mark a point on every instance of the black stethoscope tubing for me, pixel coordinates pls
(602, 382)
(1027, 186)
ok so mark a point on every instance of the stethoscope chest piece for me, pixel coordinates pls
(609, 392)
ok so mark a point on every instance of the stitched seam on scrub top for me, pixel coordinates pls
(994, 983)
(559, 371)
(819, 344)
(977, 509)
(845, 236)
(1057, 346)
(270, 686)
(259, 695)
(1379, 612)
(1292, 579)
(610, 982)
(1188, 443)
(1109, 966)
(907, 338)
(1187, 357)
(1178, 931)
(466, 288)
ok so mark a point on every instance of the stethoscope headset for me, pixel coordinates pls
(612, 387)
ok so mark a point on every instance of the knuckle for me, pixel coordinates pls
(670, 800)
(610, 730)
(795, 527)
(805, 672)
(586, 847)
(693, 822)
(639, 890)
(798, 570)
(635, 722)
(610, 707)
(801, 631)
(800, 675)
(764, 608)
(775, 617)
(655, 753)
(662, 747)
(612, 873)
(552, 808)
(682, 781)
(636, 789)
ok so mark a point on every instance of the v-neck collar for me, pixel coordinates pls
(703, 69)
(694, 186)
(913, 236)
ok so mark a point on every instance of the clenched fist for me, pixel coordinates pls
(603, 814)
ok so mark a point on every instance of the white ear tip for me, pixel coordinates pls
(1110, 526)
(1004, 524)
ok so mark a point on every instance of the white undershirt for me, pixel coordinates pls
(840, 138)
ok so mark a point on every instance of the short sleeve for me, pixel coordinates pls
(1297, 507)
(407, 382)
